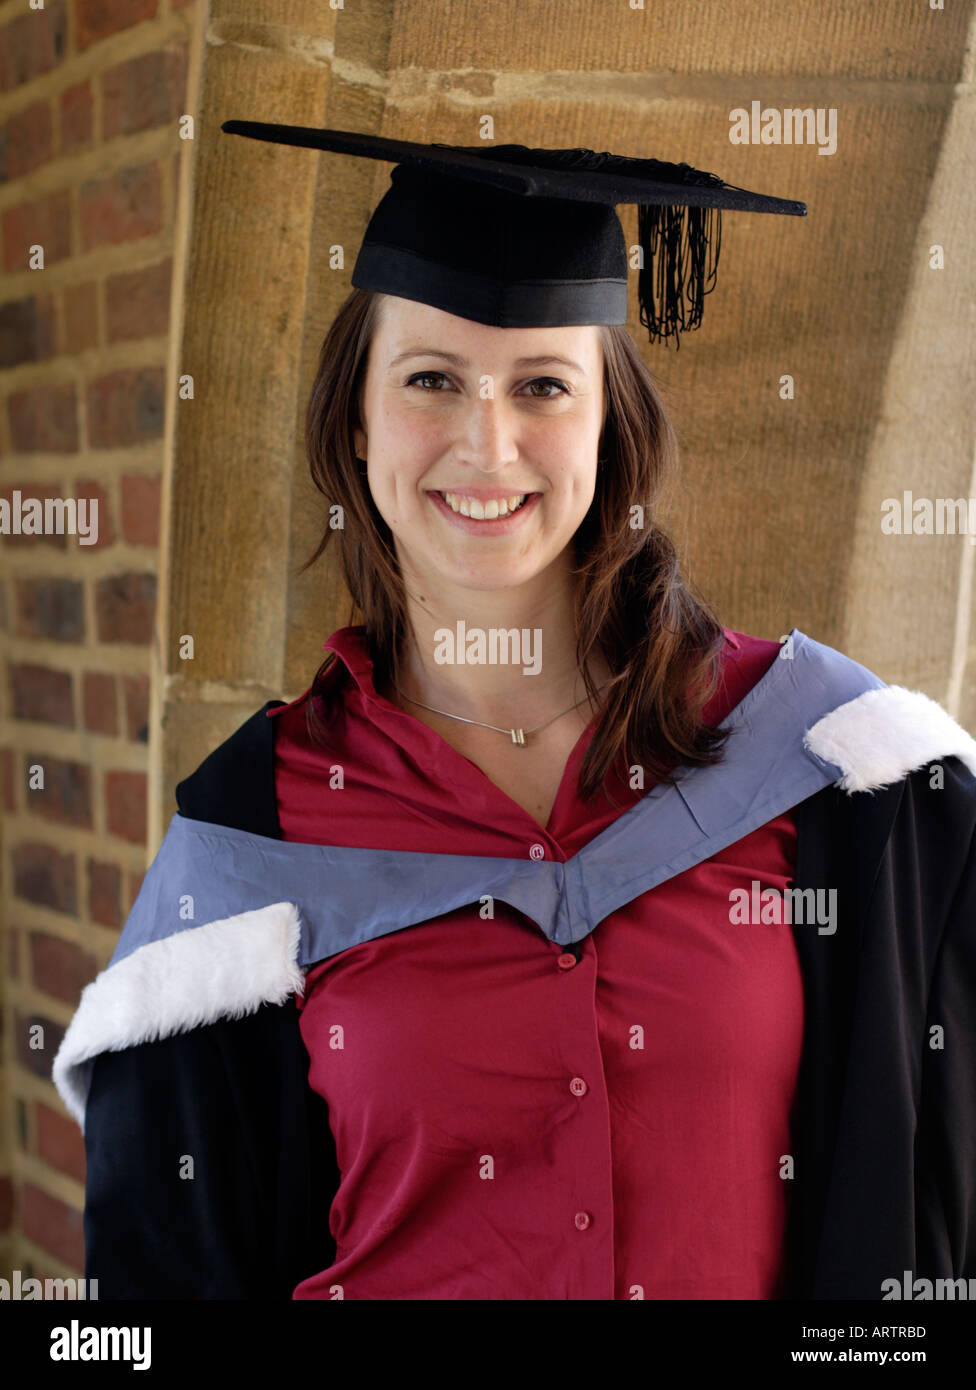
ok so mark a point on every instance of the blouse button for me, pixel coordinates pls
(578, 1086)
(537, 851)
(566, 961)
(582, 1220)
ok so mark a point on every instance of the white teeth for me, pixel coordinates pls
(470, 506)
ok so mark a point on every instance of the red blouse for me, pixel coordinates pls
(511, 1123)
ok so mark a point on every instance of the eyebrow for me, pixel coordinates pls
(541, 361)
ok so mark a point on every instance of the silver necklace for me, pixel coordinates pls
(518, 735)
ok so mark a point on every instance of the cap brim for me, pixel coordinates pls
(609, 187)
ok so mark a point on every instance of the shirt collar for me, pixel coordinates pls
(352, 650)
(349, 646)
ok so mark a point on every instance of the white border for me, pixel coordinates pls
(224, 969)
(883, 735)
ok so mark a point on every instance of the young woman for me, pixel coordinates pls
(557, 942)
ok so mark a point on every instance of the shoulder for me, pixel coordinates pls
(874, 734)
(743, 661)
(234, 785)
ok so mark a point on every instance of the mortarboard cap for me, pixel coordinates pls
(527, 238)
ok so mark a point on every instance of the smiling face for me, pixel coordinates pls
(486, 416)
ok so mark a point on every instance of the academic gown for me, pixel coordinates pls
(882, 783)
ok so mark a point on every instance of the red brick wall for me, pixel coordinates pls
(91, 92)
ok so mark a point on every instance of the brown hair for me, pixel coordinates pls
(661, 642)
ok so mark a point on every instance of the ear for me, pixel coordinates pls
(359, 439)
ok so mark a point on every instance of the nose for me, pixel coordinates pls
(488, 438)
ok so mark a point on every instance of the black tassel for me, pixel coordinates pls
(681, 247)
(680, 244)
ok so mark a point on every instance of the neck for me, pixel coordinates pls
(451, 663)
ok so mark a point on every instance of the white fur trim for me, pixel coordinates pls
(882, 735)
(223, 969)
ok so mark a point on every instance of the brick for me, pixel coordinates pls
(93, 491)
(59, 1141)
(43, 875)
(126, 407)
(37, 1058)
(45, 222)
(44, 419)
(125, 802)
(97, 19)
(60, 968)
(66, 794)
(136, 689)
(13, 952)
(26, 140)
(29, 539)
(42, 695)
(6, 1205)
(143, 92)
(137, 302)
(53, 1225)
(99, 703)
(52, 608)
(9, 786)
(140, 508)
(121, 207)
(33, 44)
(27, 330)
(80, 317)
(125, 608)
(76, 117)
(104, 893)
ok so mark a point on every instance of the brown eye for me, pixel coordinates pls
(426, 376)
(547, 381)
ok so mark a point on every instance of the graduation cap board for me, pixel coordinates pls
(526, 238)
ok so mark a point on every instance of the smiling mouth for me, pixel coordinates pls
(494, 509)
